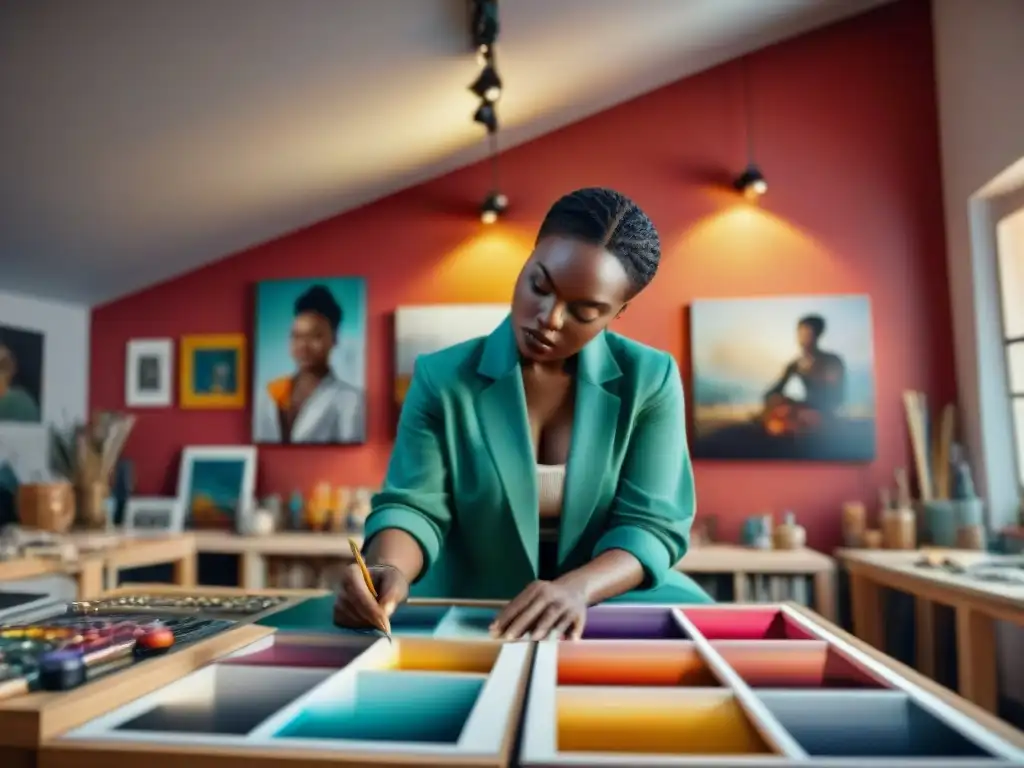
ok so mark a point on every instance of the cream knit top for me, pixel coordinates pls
(550, 492)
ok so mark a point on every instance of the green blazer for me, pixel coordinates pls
(462, 479)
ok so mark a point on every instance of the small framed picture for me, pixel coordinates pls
(216, 485)
(213, 371)
(148, 373)
(154, 516)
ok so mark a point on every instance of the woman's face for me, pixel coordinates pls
(312, 341)
(566, 294)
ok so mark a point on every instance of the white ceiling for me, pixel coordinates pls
(142, 139)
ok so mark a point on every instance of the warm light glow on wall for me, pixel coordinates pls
(749, 237)
(484, 267)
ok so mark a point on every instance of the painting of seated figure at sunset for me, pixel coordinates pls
(788, 377)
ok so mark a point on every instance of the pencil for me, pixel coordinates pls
(369, 581)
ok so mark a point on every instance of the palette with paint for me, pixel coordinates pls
(647, 685)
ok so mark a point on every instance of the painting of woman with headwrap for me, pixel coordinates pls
(21, 375)
(310, 354)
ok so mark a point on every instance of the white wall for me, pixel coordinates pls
(979, 61)
(979, 52)
(65, 376)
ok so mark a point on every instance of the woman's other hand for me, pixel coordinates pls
(355, 607)
(540, 609)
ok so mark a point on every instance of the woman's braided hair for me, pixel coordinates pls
(608, 219)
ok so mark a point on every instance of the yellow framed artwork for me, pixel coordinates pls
(213, 371)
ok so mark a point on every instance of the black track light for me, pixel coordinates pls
(487, 116)
(488, 85)
(493, 206)
(751, 182)
(484, 23)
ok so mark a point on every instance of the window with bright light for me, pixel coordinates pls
(1010, 244)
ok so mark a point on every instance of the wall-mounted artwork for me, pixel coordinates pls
(213, 371)
(148, 373)
(216, 485)
(783, 378)
(21, 375)
(420, 330)
(310, 357)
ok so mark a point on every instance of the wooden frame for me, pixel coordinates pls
(163, 350)
(538, 748)
(230, 342)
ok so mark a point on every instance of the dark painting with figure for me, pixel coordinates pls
(783, 378)
(149, 373)
(21, 375)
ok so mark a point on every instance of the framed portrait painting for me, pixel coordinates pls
(21, 375)
(309, 354)
(788, 377)
(148, 373)
(216, 485)
(213, 371)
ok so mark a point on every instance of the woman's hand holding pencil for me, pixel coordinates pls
(369, 594)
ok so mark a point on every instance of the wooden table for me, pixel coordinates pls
(977, 606)
(745, 561)
(31, 727)
(254, 551)
(102, 558)
(87, 572)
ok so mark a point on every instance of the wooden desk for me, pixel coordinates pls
(977, 605)
(253, 552)
(744, 561)
(88, 573)
(103, 556)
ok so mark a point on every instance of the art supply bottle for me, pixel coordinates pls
(764, 534)
(789, 535)
(899, 529)
(855, 521)
(296, 509)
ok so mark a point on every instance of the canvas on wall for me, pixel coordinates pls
(213, 371)
(21, 375)
(148, 373)
(783, 378)
(421, 330)
(309, 352)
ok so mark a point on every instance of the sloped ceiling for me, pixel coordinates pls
(140, 140)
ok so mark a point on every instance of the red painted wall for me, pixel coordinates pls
(847, 135)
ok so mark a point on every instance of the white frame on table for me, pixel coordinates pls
(244, 453)
(143, 504)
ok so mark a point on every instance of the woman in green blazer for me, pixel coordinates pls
(546, 463)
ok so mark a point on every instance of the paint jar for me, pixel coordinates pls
(873, 538)
(970, 537)
(899, 529)
(855, 520)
